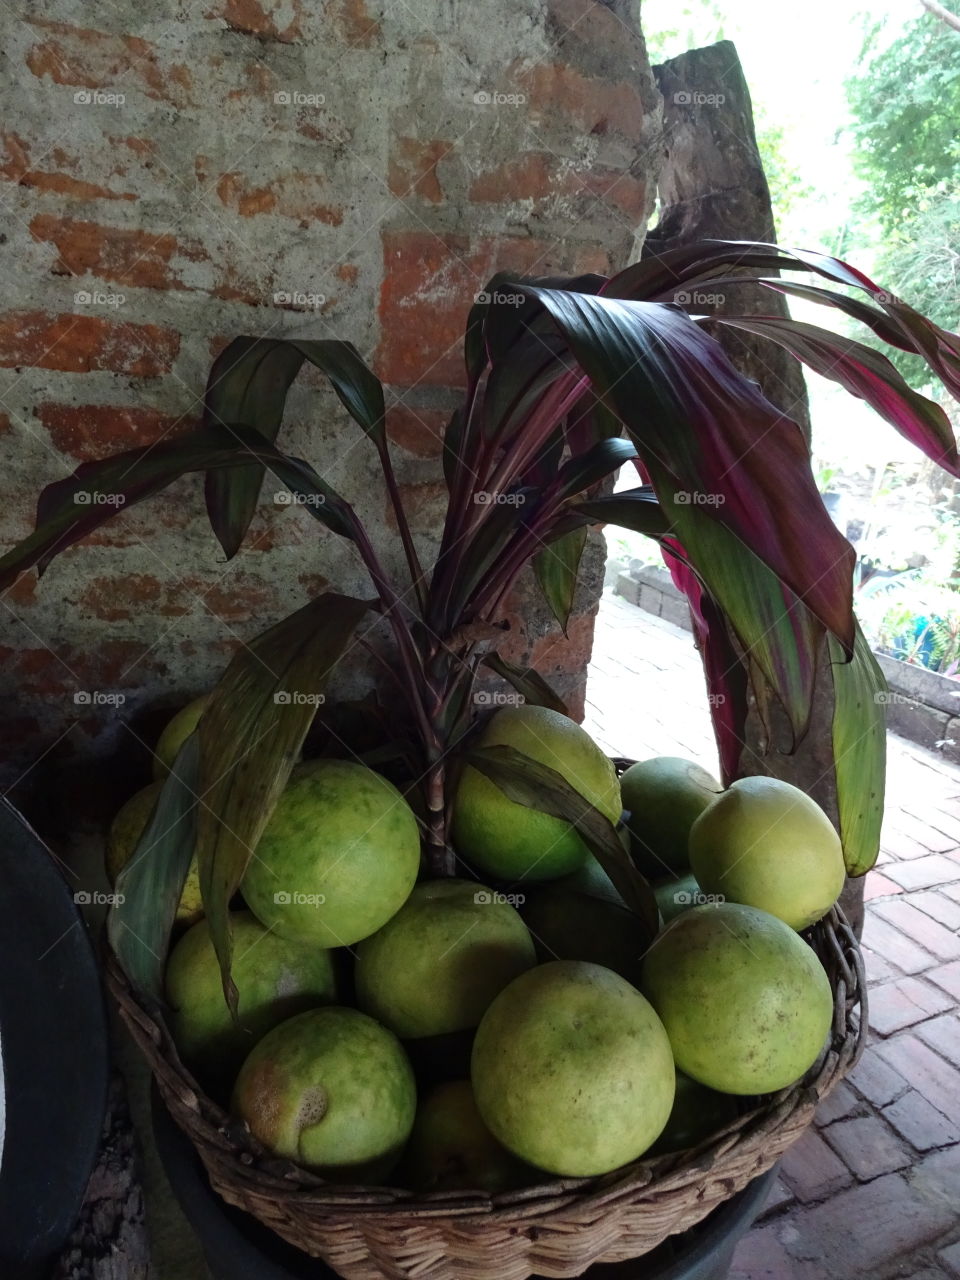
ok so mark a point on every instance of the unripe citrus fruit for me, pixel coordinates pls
(337, 858)
(333, 1090)
(746, 1003)
(766, 844)
(509, 841)
(572, 1069)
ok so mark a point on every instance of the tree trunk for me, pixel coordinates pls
(712, 186)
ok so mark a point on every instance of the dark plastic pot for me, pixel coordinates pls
(234, 1244)
(53, 1043)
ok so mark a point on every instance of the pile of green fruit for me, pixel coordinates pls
(447, 1034)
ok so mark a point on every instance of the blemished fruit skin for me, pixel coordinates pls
(337, 858)
(437, 964)
(176, 733)
(664, 796)
(766, 844)
(582, 917)
(509, 841)
(451, 1149)
(333, 1090)
(698, 1113)
(127, 828)
(275, 979)
(572, 1069)
(746, 1003)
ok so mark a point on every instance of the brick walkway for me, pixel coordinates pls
(873, 1191)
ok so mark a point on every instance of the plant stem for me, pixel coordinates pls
(409, 550)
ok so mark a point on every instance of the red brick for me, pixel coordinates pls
(868, 1147)
(876, 1079)
(760, 1255)
(878, 970)
(927, 1072)
(939, 1175)
(892, 1009)
(354, 22)
(88, 431)
(77, 344)
(99, 60)
(301, 196)
(840, 1104)
(15, 166)
(860, 1232)
(894, 946)
(126, 256)
(419, 431)
(267, 19)
(943, 1034)
(923, 1126)
(425, 506)
(878, 886)
(235, 598)
(812, 1170)
(413, 168)
(903, 844)
(118, 599)
(924, 873)
(558, 90)
(780, 1195)
(430, 283)
(539, 176)
(947, 976)
(933, 937)
(941, 908)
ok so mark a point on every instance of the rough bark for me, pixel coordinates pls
(109, 1241)
(712, 186)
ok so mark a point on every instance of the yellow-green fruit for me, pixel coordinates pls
(177, 731)
(745, 1001)
(572, 1069)
(664, 797)
(338, 857)
(582, 917)
(510, 841)
(698, 1113)
(333, 1090)
(451, 1148)
(125, 832)
(675, 894)
(766, 844)
(275, 979)
(437, 964)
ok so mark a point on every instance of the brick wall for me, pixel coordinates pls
(174, 174)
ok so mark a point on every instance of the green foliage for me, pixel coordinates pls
(905, 100)
(670, 29)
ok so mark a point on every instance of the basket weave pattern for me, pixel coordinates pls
(558, 1228)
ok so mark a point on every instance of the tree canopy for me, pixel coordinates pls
(905, 104)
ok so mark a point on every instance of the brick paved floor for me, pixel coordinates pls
(873, 1191)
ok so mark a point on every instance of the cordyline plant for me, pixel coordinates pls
(585, 375)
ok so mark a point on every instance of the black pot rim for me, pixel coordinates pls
(53, 1038)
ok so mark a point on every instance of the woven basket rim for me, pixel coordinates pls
(255, 1170)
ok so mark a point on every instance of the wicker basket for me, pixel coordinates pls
(558, 1228)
